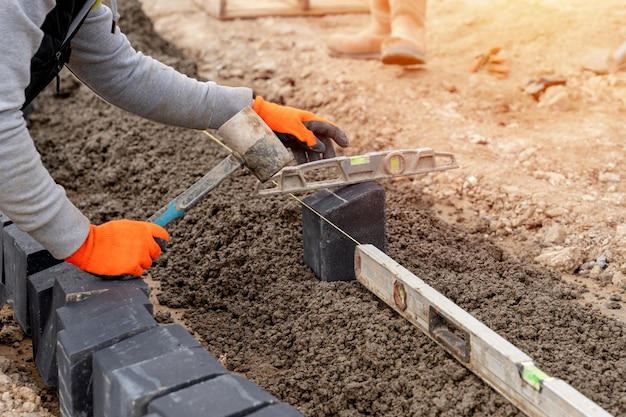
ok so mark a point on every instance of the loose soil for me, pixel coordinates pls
(527, 235)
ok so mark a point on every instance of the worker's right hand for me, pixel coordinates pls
(119, 247)
(309, 137)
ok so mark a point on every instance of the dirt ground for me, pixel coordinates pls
(528, 235)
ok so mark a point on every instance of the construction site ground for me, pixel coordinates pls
(528, 235)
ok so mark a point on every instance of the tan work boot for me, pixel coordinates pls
(407, 45)
(365, 44)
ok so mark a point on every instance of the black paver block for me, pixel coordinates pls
(39, 291)
(23, 256)
(276, 410)
(101, 326)
(129, 374)
(224, 396)
(358, 210)
(72, 285)
(4, 292)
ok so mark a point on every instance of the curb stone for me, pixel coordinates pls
(359, 211)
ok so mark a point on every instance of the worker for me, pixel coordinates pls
(37, 36)
(395, 34)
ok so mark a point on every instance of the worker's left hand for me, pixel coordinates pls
(119, 247)
(309, 137)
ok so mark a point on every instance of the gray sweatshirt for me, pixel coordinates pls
(108, 65)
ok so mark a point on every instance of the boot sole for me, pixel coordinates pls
(364, 55)
(401, 55)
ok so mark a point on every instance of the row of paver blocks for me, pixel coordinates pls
(98, 343)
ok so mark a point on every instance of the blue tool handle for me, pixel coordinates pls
(177, 208)
(166, 214)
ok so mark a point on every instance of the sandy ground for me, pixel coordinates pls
(528, 235)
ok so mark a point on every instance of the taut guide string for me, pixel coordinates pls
(299, 200)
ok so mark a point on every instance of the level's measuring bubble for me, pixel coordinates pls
(359, 160)
(534, 376)
(395, 164)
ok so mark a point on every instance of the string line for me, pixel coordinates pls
(299, 200)
(325, 219)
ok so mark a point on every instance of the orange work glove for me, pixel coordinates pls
(119, 247)
(309, 137)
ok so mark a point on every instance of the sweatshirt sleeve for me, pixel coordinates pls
(126, 78)
(29, 196)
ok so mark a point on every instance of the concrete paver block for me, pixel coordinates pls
(226, 395)
(111, 363)
(4, 293)
(276, 410)
(23, 256)
(101, 326)
(39, 291)
(129, 374)
(358, 210)
(73, 285)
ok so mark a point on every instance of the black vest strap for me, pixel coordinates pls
(60, 26)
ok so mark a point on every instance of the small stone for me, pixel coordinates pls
(597, 60)
(4, 364)
(595, 271)
(556, 96)
(554, 234)
(602, 261)
(609, 177)
(5, 382)
(26, 394)
(616, 297)
(477, 139)
(587, 266)
(611, 197)
(28, 407)
(563, 259)
(556, 212)
(511, 190)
